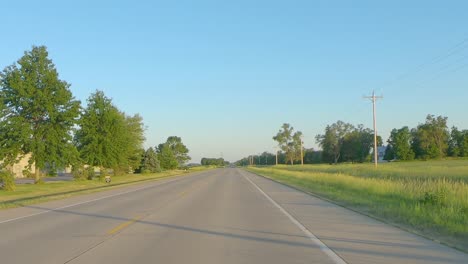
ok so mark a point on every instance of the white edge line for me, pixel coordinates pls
(335, 258)
(85, 202)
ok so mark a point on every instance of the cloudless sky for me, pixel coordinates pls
(225, 75)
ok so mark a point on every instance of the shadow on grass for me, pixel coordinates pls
(21, 201)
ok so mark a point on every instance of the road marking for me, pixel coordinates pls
(124, 225)
(89, 201)
(183, 193)
(337, 259)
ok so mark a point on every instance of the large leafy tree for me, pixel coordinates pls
(430, 140)
(357, 144)
(289, 142)
(400, 142)
(332, 141)
(178, 148)
(38, 112)
(107, 138)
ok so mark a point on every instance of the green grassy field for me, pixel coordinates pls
(428, 197)
(26, 194)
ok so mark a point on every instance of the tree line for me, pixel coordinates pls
(40, 116)
(429, 140)
(344, 142)
(214, 162)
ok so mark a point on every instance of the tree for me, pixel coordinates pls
(430, 140)
(389, 153)
(357, 144)
(400, 142)
(458, 144)
(178, 148)
(289, 142)
(167, 158)
(214, 162)
(150, 162)
(107, 138)
(332, 141)
(38, 113)
(312, 156)
(133, 142)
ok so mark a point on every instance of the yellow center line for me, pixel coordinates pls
(124, 225)
(183, 193)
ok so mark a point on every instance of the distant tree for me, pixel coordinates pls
(216, 162)
(400, 143)
(458, 144)
(38, 112)
(289, 142)
(357, 144)
(166, 157)
(267, 159)
(312, 156)
(331, 142)
(389, 153)
(178, 148)
(430, 140)
(150, 162)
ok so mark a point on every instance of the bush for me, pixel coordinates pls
(78, 172)
(52, 173)
(7, 181)
(90, 173)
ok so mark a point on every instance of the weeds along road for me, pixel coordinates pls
(217, 216)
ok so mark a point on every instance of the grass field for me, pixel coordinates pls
(26, 194)
(428, 197)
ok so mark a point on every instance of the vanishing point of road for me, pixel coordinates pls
(218, 216)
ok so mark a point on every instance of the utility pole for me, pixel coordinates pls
(302, 152)
(374, 99)
(276, 154)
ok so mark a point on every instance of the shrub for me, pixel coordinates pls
(7, 181)
(78, 172)
(90, 173)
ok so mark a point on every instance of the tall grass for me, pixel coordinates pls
(430, 197)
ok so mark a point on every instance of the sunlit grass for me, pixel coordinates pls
(35, 193)
(430, 197)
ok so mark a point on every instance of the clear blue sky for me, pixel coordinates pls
(224, 75)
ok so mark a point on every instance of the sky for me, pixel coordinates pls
(225, 75)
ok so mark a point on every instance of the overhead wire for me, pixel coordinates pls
(454, 50)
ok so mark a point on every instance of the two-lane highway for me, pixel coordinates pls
(219, 216)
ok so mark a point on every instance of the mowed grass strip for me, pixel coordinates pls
(26, 194)
(435, 206)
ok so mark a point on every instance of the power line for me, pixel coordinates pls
(459, 47)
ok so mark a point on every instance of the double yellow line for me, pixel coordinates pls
(124, 225)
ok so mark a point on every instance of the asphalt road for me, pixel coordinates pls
(219, 216)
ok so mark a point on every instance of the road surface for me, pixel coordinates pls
(218, 216)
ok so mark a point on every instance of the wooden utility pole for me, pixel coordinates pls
(374, 99)
(276, 154)
(302, 152)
